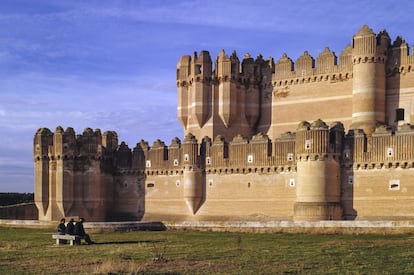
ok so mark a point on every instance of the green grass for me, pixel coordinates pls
(32, 251)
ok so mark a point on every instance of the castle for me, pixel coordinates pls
(263, 140)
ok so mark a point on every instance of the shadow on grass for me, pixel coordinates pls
(128, 242)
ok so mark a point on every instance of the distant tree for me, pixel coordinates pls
(15, 198)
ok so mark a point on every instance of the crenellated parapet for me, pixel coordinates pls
(306, 70)
(318, 141)
(42, 140)
(247, 72)
(384, 149)
(65, 144)
(311, 141)
(399, 60)
(241, 153)
(228, 93)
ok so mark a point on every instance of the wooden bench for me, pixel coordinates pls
(73, 239)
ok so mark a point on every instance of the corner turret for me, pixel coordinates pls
(43, 139)
(194, 182)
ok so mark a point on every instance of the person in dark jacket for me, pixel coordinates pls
(61, 228)
(70, 227)
(80, 231)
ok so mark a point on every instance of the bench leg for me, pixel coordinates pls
(57, 241)
(71, 242)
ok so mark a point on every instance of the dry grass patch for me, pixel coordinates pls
(32, 251)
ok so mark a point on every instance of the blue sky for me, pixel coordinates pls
(111, 64)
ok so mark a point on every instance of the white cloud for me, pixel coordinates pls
(111, 64)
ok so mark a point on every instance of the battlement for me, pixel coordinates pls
(198, 68)
(366, 48)
(385, 148)
(311, 141)
(66, 145)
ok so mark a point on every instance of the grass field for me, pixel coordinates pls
(32, 251)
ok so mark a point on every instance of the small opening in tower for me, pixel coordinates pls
(308, 144)
(399, 114)
(198, 69)
(394, 185)
(250, 159)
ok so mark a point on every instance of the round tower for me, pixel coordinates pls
(193, 176)
(368, 93)
(318, 170)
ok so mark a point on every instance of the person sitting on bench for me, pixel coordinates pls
(61, 228)
(80, 231)
(70, 227)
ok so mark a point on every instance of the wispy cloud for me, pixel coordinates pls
(111, 64)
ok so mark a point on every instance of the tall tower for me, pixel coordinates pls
(225, 101)
(43, 139)
(318, 150)
(73, 173)
(194, 90)
(369, 82)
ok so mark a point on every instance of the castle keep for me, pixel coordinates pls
(322, 139)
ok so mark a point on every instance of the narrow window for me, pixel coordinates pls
(347, 154)
(148, 164)
(394, 185)
(390, 152)
(308, 144)
(250, 159)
